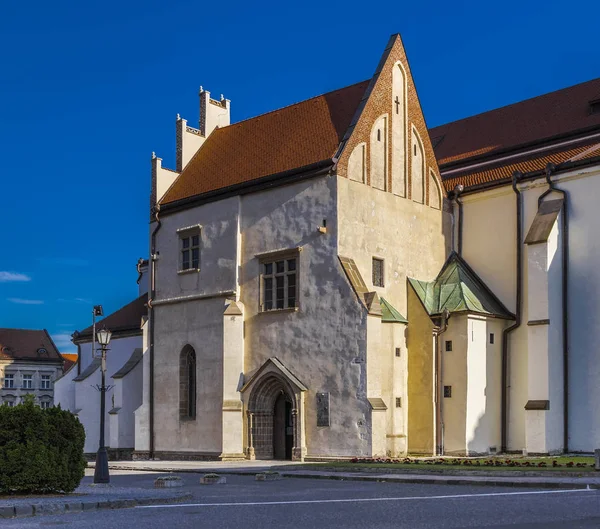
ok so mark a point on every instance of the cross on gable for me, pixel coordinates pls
(397, 101)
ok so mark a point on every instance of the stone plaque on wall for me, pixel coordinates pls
(322, 409)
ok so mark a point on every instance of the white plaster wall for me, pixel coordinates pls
(64, 390)
(493, 259)
(408, 236)
(131, 398)
(493, 389)
(399, 131)
(164, 178)
(455, 374)
(87, 398)
(324, 342)
(477, 424)
(394, 375)
(218, 221)
(197, 323)
(583, 187)
(378, 153)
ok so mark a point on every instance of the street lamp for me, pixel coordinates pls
(101, 474)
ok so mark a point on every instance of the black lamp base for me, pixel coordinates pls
(101, 474)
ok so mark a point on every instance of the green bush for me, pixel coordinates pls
(41, 451)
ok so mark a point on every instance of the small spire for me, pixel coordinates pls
(201, 89)
(153, 155)
(222, 97)
(178, 116)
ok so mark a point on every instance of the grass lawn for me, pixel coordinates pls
(433, 464)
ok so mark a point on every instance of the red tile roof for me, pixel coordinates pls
(69, 361)
(127, 318)
(27, 344)
(525, 165)
(545, 116)
(289, 138)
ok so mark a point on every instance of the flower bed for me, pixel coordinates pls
(507, 463)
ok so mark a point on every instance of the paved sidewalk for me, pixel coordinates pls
(456, 478)
(87, 497)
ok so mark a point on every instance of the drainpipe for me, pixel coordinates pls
(457, 191)
(439, 407)
(151, 319)
(550, 168)
(519, 302)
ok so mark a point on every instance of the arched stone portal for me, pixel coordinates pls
(274, 413)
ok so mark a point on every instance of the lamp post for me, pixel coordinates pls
(96, 311)
(101, 474)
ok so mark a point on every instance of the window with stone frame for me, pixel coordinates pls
(9, 401)
(187, 383)
(9, 380)
(45, 382)
(189, 249)
(378, 279)
(279, 282)
(27, 382)
(45, 404)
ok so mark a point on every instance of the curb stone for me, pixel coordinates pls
(44, 509)
(486, 483)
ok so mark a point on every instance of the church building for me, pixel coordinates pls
(332, 279)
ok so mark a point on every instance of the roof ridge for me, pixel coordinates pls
(596, 79)
(291, 105)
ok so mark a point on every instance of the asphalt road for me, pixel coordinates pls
(307, 504)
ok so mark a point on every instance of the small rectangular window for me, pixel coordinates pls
(279, 284)
(9, 403)
(45, 382)
(448, 345)
(378, 272)
(44, 404)
(189, 242)
(27, 381)
(397, 351)
(491, 337)
(447, 392)
(398, 402)
(9, 381)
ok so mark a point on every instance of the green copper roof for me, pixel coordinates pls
(459, 289)
(389, 314)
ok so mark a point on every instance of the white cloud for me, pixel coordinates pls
(22, 301)
(6, 277)
(74, 300)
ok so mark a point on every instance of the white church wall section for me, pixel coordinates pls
(435, 193)
(323, 343)
(407, 237)
(357, 163)
(379, 153)
(399, 130)
(417, 168)
(583, 187)
(216, 223)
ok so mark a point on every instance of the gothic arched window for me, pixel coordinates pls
(187, 383)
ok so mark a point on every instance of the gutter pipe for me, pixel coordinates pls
(151, 318)
(516, 177)
(458, 189)
(550, 168)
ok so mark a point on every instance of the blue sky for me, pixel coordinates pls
(89, 89)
